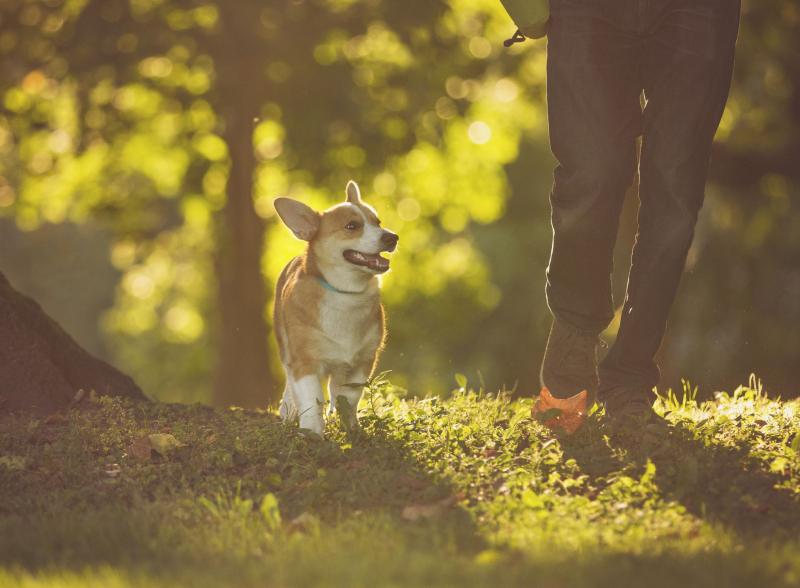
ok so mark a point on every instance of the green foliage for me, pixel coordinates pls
(444, 129)
(468, 491)
(136, 137)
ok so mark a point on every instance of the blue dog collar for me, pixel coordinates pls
(325, 284)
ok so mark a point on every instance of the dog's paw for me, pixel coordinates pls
(309, 434)
(313, 424)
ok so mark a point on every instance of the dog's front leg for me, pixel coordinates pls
(347, 387)
(308, 395)
(288, 406)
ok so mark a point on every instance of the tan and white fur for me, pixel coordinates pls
(329, 321)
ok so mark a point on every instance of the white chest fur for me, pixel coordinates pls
(350, 326)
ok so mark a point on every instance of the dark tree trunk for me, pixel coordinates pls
(41, 366)
(243, 375)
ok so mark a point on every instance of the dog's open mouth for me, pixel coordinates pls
(373, 261)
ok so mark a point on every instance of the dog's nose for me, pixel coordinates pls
(389, 240)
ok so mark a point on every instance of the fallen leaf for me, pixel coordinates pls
(112, 470)
(13, 462)
(488, 557)
(154, 446)
(79, 396)
(426, 511)
(356, 464)
(561, 415)
(55, 419)
(140, 449)
(163, 443)
(303, 523)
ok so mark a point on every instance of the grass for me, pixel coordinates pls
(466, 490)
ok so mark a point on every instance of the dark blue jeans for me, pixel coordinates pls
(619, 69)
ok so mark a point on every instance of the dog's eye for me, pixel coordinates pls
(352, 226)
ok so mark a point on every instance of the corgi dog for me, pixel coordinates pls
(329, 322)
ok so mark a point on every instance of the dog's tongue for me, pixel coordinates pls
(377, 263)
(371, 260)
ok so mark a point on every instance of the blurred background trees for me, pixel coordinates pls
(142, 143)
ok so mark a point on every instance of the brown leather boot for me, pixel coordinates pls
(570, 362)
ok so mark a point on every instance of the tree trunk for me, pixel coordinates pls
(243, 375)
(41, 366)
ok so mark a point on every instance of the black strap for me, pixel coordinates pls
(517, 37)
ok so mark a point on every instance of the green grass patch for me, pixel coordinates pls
(466, 490)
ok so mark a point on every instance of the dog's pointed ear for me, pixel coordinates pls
(353, 193)
(300, 218)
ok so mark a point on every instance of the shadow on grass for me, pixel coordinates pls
(721, 484)
(62, 517)
(61, 511)
(371, 471)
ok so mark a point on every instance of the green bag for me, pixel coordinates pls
(530, 16)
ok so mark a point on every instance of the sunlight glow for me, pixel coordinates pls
(506, 90)
(184, 323)
(140, 285)
(480, 47)
(408, 209)
(479, 132)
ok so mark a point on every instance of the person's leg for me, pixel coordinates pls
(594, 113)
(686, 71)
